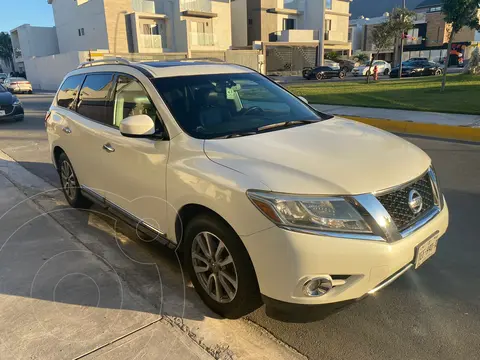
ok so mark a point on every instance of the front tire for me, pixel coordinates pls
(70, 185)
(220, 267)
(319, 76)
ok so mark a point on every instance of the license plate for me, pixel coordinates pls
(425, 250)
(2, 112)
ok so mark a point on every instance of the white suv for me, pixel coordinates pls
(269, 200)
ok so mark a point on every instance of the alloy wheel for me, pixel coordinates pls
(214, 267)
(68, 180)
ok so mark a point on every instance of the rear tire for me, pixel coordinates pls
(70, 185)
(319, 76)
(203, 236)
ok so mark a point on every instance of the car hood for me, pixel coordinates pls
(6, 98)
(335, 156)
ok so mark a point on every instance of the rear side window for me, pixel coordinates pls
(95, 100)
(69, 90)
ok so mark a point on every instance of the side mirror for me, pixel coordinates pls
(303, 99)
(137, 126)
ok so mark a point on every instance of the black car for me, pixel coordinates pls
(322, 72)
(10, 106)
(417, 68)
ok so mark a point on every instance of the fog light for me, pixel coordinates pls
(318, 286)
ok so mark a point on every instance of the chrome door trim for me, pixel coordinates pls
(108, 148)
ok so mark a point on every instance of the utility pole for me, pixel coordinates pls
(401, 47)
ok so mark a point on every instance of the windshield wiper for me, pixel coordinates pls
(239, 134)
(286, 124)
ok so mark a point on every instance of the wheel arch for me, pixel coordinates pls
(57, 151)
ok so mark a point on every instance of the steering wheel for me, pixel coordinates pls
(252, 109)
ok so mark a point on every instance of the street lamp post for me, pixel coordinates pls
(401, 47)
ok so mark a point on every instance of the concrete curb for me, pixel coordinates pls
(433, 130)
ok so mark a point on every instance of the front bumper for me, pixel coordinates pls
(16, 114)
(284, 260)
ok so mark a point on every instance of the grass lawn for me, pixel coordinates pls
(462, 95)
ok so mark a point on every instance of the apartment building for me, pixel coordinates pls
(29, 41)
(324, 21)
(142, 26)
(433, 35)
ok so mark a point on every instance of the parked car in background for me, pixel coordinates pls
(383, 68)
(269, 200)
(18, 85)
(333, 64)
(418, 68)
(10, 106)
(323, 72)
(348, 65)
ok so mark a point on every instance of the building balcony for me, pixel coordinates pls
(335, 37)
(196, 5)
(202, 39)
(143, 6)
(152, 41)
(197, 8)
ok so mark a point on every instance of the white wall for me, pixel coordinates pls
(36, 40)
(69, 17)
(222, 24)
(47, 72)
(239, 23)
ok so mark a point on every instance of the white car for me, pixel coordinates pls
(18, 85)
(383, 68)
(268, 200)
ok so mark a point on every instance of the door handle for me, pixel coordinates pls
(109, 148)
(67, 130)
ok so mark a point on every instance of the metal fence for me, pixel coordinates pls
(288, 60)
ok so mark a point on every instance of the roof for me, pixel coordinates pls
(429, 3)
(173, 68)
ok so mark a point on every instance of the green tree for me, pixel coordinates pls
(474, 63)
(382, 37)
(332, 55)
(6, 50)
(458, 14)
(401, 21)
(362, 57)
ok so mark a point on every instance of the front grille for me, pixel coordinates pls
(396, 202)
(8, 108)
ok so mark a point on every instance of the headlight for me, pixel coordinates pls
(17, 102)
(309, 212)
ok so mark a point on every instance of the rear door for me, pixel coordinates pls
(136, 168)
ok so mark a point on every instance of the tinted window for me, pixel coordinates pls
(94, 101)
(69, 90)
(209, 106)
(132, 99)
(324, 68)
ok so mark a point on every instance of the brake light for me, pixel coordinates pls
(13, 83)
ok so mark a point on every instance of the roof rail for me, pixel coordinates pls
(111, 61)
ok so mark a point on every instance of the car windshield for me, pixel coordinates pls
(222, 105)
(17, 79)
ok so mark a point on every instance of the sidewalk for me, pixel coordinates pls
(450, 126)
(82, 285)
(58, 300)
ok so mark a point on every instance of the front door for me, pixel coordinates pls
(136, 167)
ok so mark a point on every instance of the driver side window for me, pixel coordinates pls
(132, 99)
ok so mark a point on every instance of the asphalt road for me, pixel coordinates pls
(431, 313)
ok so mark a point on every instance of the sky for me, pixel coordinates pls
(18, 12)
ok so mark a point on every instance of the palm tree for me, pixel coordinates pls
(6, 49)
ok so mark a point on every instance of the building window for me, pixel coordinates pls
(328, 4)
(328, 25)
(435, 9)
(288, 24)
(81, 32)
